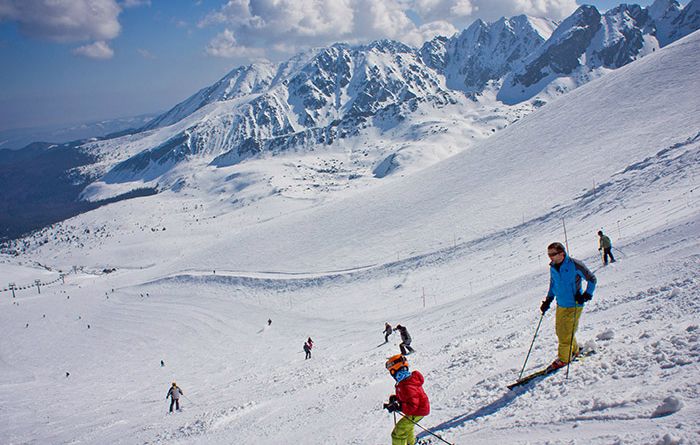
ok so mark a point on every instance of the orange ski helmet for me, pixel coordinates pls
(395, 363)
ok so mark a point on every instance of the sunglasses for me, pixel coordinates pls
(552, 255)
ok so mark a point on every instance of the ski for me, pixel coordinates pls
(528, 378)
(547, 371)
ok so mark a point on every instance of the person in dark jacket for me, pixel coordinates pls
(405, 344)
(387, 332)
(565, 276)
(174, 393)
(307, 348)
(409, 398)
(605, 245)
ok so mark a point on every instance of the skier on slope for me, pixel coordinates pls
(565, 284)
(387, 332)
(307, 348)
(410, 398)
(405, 344)
(174, 393)
(605, 245)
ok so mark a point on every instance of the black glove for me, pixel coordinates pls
(599, 249)
(584, 297)
(392, 406)
(545, 305)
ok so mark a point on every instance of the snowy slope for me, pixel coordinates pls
(454, 251)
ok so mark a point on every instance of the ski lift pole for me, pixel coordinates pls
(531, 345)
(423, 428)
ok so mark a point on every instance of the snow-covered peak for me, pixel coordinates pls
(587, 43)
(661, 9)
(241, 81)
(485, 52)
(686, 22)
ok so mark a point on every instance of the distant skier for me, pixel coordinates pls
(410, 398)
(162, 364)
(387, 332)
(174, 393)
(405, 344)
(269, 321)
(565, 283)
(605, 245)
(307, 348)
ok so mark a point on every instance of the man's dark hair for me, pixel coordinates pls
(558, 247)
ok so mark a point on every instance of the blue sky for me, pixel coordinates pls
(87, 60)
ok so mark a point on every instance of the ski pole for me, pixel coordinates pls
(530, 350)
(424, 429)
(188, 399)
(571, 343)
(623, 253)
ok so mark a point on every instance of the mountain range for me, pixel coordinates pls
(475, 82)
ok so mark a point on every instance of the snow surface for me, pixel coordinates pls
(456, 252)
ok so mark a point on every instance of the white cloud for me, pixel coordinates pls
(146, 54)
(64, 21)
(271, 26)
(97, 50)
(135, 3)
(225, 45)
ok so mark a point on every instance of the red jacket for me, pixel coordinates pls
(414, 401)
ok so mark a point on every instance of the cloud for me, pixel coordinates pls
(146, 54)
(64, 21)
(271, 27)
(97, 50)
(225, 45)
(135, 3)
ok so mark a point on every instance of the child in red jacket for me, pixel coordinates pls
(409, 399)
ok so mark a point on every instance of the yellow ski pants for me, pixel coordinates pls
(403, 431)
(566, 326)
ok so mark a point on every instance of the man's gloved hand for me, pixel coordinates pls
(583, 298)
(600, 249)
(392, 406)
(545, 305)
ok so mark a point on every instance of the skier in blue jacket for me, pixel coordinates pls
(566, 275)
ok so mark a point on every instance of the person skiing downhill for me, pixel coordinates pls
(605, 245)
(405, 344)
(409, 398)
(174, 393)
(387, 332)
(565, 278)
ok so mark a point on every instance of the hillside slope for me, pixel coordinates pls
(455, 252)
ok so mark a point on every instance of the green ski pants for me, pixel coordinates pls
(403, 431)
(566, 327)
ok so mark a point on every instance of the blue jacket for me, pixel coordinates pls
(565, 282)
